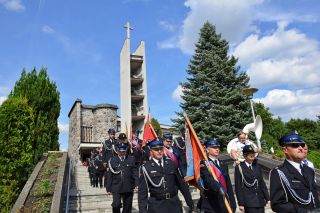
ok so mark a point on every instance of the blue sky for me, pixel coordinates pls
(79, 42)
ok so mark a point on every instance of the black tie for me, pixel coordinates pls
(250, 167)
(216, 162)
(160, 163)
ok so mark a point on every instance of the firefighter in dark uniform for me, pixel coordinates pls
(136, 144)
(175, 157)
(100, 169)
(109, 145)
(122, 179)
(161, 179)
(122, 139)
(179, 143)
(90, 169)
(251, 190)
(292, 184)
(215, 191)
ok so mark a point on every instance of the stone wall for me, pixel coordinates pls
(74, 130)
(100, 117)
(105, 117)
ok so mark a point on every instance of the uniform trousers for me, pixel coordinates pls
(127, 202)
(172, 205)
(254, 209)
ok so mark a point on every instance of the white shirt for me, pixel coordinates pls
(214, 160)
(295, 165)
(157, 161)
(248, 165)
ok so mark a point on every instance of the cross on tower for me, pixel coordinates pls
(127, 25)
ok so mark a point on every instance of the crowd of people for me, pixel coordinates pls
(156, 172)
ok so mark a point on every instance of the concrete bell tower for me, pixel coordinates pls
(133, 86)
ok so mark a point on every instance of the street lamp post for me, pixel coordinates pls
(249, 92)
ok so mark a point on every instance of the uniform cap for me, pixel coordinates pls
(122, 147)
(135, 132)
(167, 136)
(155, 144)
(212, 143)
(248, 149)
(289, 139)
(122, 136)
(111, 131)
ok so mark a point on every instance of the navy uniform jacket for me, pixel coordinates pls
(181, 146)
(137, 153)
(125, 176)
(282, 200)
(98, 162)
(255, 196)
(145, 154)
(171, 184)
(212, 199)
(109, 146)
(176, 153)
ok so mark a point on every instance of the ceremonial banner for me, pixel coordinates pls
(195, 153)
(148, 134)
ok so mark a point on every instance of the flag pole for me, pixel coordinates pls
(226, 202)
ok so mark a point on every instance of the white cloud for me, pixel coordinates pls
(13, 5)
(293, 104)
(2, 99)
(270, 16)
(167, 26)
(47, 29)
(285, 57)
(177, 93)
(63, 128)
(218, 12)
(169, 44)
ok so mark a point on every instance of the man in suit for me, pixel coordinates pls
(215, 191)
(160, 178)
(251, 190)
(292, 184)
(122, 178)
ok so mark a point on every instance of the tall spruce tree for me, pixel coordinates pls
(213, 93)
(44, 98)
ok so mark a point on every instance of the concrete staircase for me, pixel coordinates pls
(87, 199)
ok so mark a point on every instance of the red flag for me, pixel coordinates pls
(148, 134)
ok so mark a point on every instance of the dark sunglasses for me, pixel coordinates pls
(296, 145)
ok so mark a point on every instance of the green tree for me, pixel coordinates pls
(213, 93)
(43, 97)
(16, 160)
(273, 128)
(156, 126)
(308, 129)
